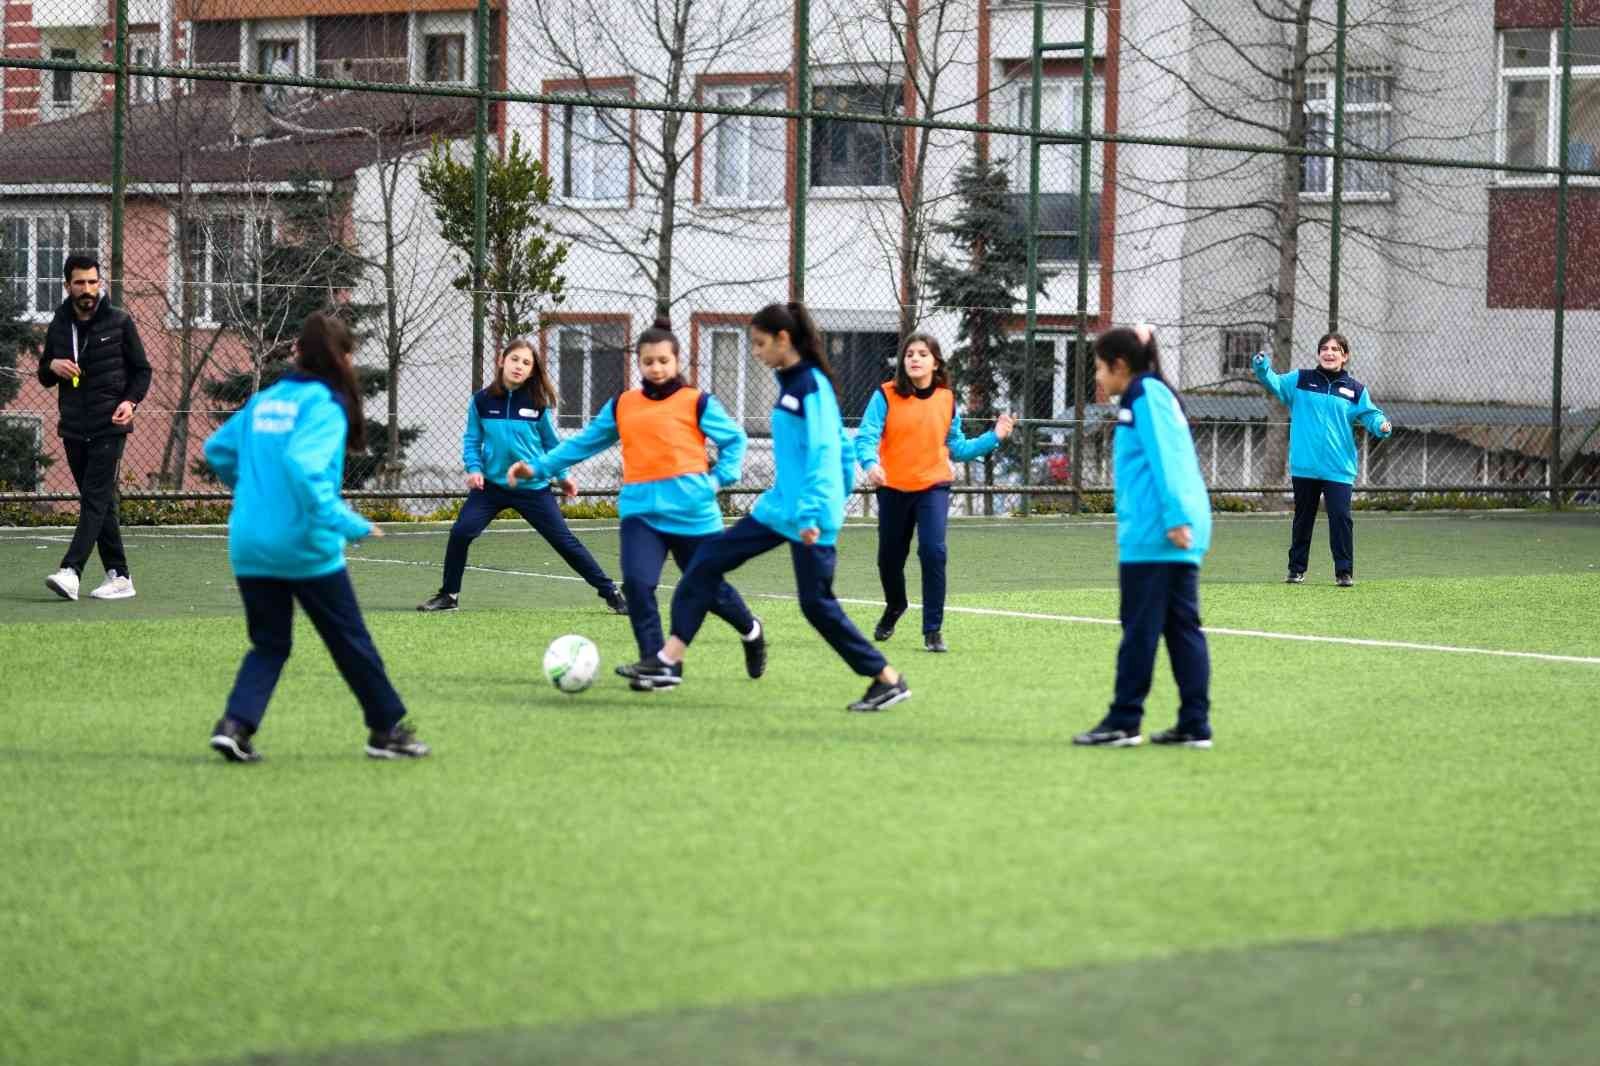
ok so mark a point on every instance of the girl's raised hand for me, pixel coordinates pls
(876, 477)
(1181, 537)
(1004, 425)
(475, 481)
(1385, 428)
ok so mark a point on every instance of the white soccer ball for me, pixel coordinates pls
(571, 662)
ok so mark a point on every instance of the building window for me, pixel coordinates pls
(445, 57)
(33, 250)
(861, 362)
(1060, 108)
(1041, 402)
(1530, 99)
(748, 391)
(594, 151)
(225, 254)
(591, 368)
(61, 80)
(277, 57)
(1239, 347)
(144, 87)
(856, 153)
(749, 154)
(1368, 127)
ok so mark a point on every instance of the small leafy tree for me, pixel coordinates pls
(22, 464)
(982, 286)
(523, 256)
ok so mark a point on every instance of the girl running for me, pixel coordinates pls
(1324, 404)
(668, 501)
(283, 456)
(1163, 531)
(805, 508)
(512, 420)
(909, 436)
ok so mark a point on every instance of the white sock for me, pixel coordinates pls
(754, 634)
(662, 655)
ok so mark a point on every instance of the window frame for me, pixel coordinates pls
(263, 43)
(70, 103)
(254, 227)
(1244, 368)
(1072, 86)
(427, 57)
(1323, 107)
(746, 96)
(584, 326)
(751, 408)
(95, 216)
(558, 149)
(894, 141)
(1550, 76)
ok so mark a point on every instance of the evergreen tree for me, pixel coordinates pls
(22, 464)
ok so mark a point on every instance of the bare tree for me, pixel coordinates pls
(658, 50)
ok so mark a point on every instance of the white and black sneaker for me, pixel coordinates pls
(755, 651)
(650, 673)
(1176, 737)
(116, 586)
(440, 601)
(1296, 577)
(230, 738)
(63, 583)
(396, 742)
(1105, 736)
(881, 696)
(1344, 579)
(886, 623)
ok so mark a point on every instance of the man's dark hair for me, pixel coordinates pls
(79, 262)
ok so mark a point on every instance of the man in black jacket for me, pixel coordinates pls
(93, 356)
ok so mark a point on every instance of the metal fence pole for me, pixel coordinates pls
(1336, 224)
(119, 173)
(1560, 338)
(1077, 362)
(1031, 323)
(802, 147)
(480, 195)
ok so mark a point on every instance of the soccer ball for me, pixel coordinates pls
(570, 663)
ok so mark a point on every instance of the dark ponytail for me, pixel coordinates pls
(660, 332)
(1142, 355)
(325, 346)
(795, 320)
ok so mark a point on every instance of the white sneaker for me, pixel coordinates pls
(63, 583)
(115, 587)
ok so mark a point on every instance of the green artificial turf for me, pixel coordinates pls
(571, 873)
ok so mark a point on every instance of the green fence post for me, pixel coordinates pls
(119, 174)
(480, 196)
(1085, 124)
(1031, 323)
(1336, 224)
(1560, 338)
(802, 147)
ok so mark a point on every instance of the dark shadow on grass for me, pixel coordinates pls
(1514, 993)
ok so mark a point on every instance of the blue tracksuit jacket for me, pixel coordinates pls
(816, 463)
(683, 506)
(1323, 408)
(283, 457)
(1158, 482)
(502, 430)
(870, 433)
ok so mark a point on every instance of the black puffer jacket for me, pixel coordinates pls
(114, 367)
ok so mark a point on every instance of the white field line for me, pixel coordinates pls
(1073, 619)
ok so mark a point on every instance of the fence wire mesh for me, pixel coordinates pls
(1423, 178)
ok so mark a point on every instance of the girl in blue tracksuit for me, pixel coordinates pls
(805, 508)
(909, 436)
(1324, 404)
(1163, 531)
(283, 457)
(509, 421)
(668, 501)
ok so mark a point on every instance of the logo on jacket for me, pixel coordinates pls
(789, 403)
(527, 412)
(1347, 392)
(275, 416)
(1125, 416)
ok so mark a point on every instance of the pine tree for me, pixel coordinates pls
(22, 464)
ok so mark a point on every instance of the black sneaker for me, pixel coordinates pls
(615, 600)
(755, 652)
(1177, 737)
(885, 627)
(231, 739)
(1344, 580)
(934, 641)
(1296, 577)
(396, 742)
(439, 601)
(1103, 736)
(881, 696)
(650, 673)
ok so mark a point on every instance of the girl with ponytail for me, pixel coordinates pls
(668, 502)
(804, 508)
(1163, 531)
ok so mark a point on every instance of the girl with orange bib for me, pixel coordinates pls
(668, 501)
(909, 435)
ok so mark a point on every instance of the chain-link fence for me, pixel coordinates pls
(1424, 178)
